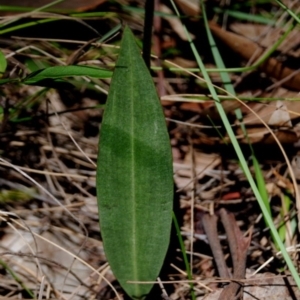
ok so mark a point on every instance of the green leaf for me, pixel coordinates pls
(261, 184)
(7, 80)
(36, 64)
(57, 72)
(3, 63)
(134, 174)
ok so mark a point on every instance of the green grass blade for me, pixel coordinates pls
(31, 12)
(244, 165)
(246, 16)
(261, 184)
(110, 33)
(184, 256)
(290, 12)
(25, 25)
(57, 72)
(7, 80)
(134, 174)
(260, 181)
(16, 278)
(285, 207)
(3, 63)
(239, 153)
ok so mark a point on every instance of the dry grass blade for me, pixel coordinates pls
(49, 141)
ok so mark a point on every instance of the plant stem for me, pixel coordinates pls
(148, 24)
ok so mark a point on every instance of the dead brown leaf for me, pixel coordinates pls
(175, 23)
(248, 49)
(189, 7)
(265, 286)
(266, 35)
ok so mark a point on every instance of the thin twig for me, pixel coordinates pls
(238, 245)
(210, 226)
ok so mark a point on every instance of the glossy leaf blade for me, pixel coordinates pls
(134, 174)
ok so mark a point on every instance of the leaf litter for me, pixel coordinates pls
(53, 244)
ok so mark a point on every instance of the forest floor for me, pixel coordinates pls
(50, 239)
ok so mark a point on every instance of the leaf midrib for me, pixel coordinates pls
(133, 196)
